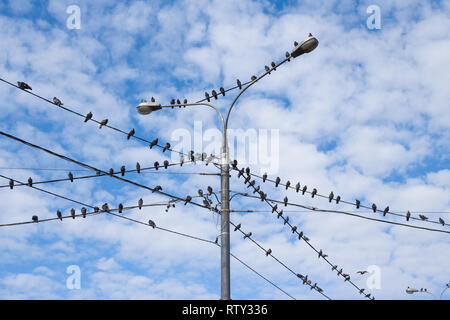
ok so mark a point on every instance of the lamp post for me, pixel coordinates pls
(424, 290)
(145, 108)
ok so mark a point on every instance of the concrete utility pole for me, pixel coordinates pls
(145, 108)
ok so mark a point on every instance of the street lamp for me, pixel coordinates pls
(145, 108)
(424, 290)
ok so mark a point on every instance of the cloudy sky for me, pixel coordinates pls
(365, 115)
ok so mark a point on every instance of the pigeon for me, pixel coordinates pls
(237, 227)
(374, 207)
(152, 224)
(153, 143)
(285, 200)
(23, 85)
(408, 215)
(239, 84)
(111, 171)
(339, 272)
(83, 212)
(331, 197)
(305, 279)
(251, 184)
(200, 192)
(166, 147)
(96, 209)
(140, 203)
(273, 65)
(346, 276)
(320, 253)
(172, 101)
(294, 229)
(72, 213)
(264, 177)
(263, 196)
(300, 235)
(295, 43)
(130, 134)
(361, 291)
(103, 123)
(120, 208)
(253, 78)
(138, 167)
(157, 189)
(35, 218)
(30, 182)
(156, 165)
(105, 207)
(222, 91)
(59, 214)
(88, 117)
(210, 190)
(191, 156)
(304, 189)
(11, 184)
(338, 198)
(241, 172)
(122, 170)
(305, 238)
(441, 221)
(178, 102)
(274, 208)
(362, 272)
(368, 295)
(288, 56)
(166, 164)
(70, 176)
(386, 210)
(57, 102)
(267, 69)
(188, 199)
(217, 240)
(185, 102)
(277, 181)
(334, 267)
(313, 193)
(247, 235)
(421, 216)
(288, 184)
(214, 94)
(280, 214)
(358, 203)
(152, 99)
(297, 187)
(181, 161)
(247, 171)
(314, 286)
(234, 164)
(286, 220)
(207, 97)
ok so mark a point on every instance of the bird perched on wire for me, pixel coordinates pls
(83, 212)
(277, 181)
(313, 193)
(236, 228)
(156, 165)
(59, 215)
(273, 66)
(338, 198)
(88, 117)
(441, 221)
(253, 78)
(157, 189)
(11, 184)
(57, 102)
(181, 161)
(239, 84)
(166, 147)
(286, 220)
(214, 94)
(70, 176)
(138, 167)
(264, 177)
(105, 207)
(207, 97)
(153, 143)
(130, 134)
(140, 203)
(288, 184)
(288, 56)
(247, 235)
(358, 204)
(23, 85)
(188, 199)
(331, 197)
(30, 182)
(280, 214)
(122, 170)
(263, 196)
(321, 254)
(152, 224)
(104, 122)
(267, 69)
(362, 272)
(304, 189)
(35, 218)
(269, 251)
(294, 229)
(166, 164)
(386, 210)
(300, 235)
(285, 200)
(72, 213)
(408, 215)
(222, 91)
(374, 207)
(422, 217)
(120, 208)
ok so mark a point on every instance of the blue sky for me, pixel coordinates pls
(365, 115)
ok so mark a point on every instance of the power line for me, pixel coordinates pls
(314, 193)
(300, 234)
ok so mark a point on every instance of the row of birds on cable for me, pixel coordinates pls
(321, 254)
(331, 196)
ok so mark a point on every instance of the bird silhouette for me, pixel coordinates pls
(263, 196)
(166, 147)
(288, 184)
(214, 94)
(422, 217)
(188, 199)
(253, 78)
(166, 164)
(247, 235)
(59, 215)
(105, 207)
(286, 220)
(297, 187)
(83, 212)
(306, 238)
(300, 235)
(157, 189)
(277, 181)
(217, 240)
(103, 123)
(331, 197)
(285, 200)
(338, 198)
(178, 102)
(70, 176)
(294, 229)
(267, 69)
(441, 221)
(239, 84)
(88, 117)
(156, 165)
(30, 182)
(111, 171)
(280, 214)
(274, 208)
(222, 91)
(138, 167)
(23, 85)
(304, 189)
(172, 102)
(57, 102)
(362, 272)
(153, 143)
(96, 209)
(152, 224)
(120, 208)
(122, 170)
(72, 213)
(35, 218)
(358, 204)
(207, 97)
(130, 134)
(268, 252)
(140, 203)
(11, 184)
(181, 161)
(236, 228)
(185, 102)
(374, 207)
(287, 54)
(408, 215)
(386, 210)
(264, 177)
(273, 66)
